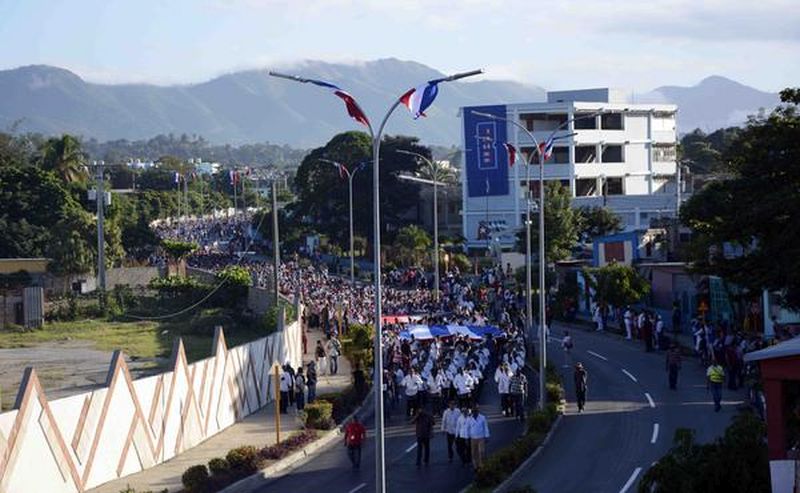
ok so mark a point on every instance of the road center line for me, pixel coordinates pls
(630, 375)
(357, 488)
(412, 447)
(650, 399)
(597, 355)
(654, 438)
(631, 480)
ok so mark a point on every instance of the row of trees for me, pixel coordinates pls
(45, 211)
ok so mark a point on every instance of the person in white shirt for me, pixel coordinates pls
(502, 378)
(463, 424)
(413, 385)
(462, 382)
(628, 317)
(435, 381)
(450, 427)
(286, 386)
(566, 344)
(478, 434)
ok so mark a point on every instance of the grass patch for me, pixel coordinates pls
(143, 339)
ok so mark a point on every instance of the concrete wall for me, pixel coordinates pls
(78, 442)
(132, 276)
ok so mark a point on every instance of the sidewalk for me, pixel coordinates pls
(258, 429)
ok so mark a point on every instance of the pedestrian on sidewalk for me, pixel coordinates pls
(581, 378)
(300, 390)
(286, 386)
(450, 426)
(628, 317)
(311, 381)
(462, 436)
(519, 389)
(334, 351)
(354, 436)
(424, 430)
(715, 376)
(319, 353)
(567, 344)
(673, 365)
(478, 434)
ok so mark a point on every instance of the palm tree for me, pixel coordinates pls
(65, 157)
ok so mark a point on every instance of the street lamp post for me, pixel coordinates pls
(435, 172)
(350, 174)
(542, 256)
(420, 98)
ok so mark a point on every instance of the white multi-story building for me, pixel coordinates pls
(612, 153)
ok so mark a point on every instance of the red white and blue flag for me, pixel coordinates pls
(349, 101)
(342, 170)
(419, 99)
(234, 176)
(512, 154)
(177, 177)
(546, 149)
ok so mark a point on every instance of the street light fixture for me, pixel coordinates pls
(436, 172)
(538, 149)
(417, 99)
(350, 174)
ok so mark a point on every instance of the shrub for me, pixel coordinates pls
(318, 415)
(554, 391)
(294, 442)
(196, 480)
(539, 422)
(344, 402)
(243, 461)
(500, 465)
(218, 466)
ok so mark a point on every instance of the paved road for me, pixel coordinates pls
(331, 472)
(630, 417)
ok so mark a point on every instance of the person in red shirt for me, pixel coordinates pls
(354, 436)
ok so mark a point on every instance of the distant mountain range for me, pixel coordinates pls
(251, 106)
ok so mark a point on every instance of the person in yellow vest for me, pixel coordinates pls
(715, 376)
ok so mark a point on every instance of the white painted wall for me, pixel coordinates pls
(132, 425)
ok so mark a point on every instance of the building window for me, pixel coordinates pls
(613, 186)
(614, 250)
(541, 122)
(612, 154)
(585, 122)
(665, 153)
(611, 121)
(585, 187)
(585, 154)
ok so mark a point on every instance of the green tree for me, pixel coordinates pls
(322, 194)
(235, 275)
(64, 156)
(616, 284)
(561, 224)
(412, 243)
(598, 221)
(178, 250)
(745, 227)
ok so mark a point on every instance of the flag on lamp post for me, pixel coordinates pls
(546, 149)
(512, 154)
(349, 101)
(419, 99)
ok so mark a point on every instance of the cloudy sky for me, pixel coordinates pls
(636, 45)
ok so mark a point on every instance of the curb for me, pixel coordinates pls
(505, 485)
(295, 459)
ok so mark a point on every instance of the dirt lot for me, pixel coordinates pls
(64, 368)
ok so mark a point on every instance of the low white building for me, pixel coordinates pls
(612, 153)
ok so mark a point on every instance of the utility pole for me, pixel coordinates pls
(276, 253)
(101, 242)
